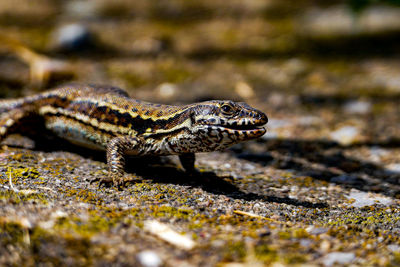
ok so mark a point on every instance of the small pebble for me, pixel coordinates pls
(362, 199)
(306, 242)
(248, 167)
(59, 214)
(47, 225)
(72, 37)
(394, 248)
(325, 245)
(227, 166)
(393, 168)
(25, 223)
(338, 20)
(149, 258)
(316, 230)
(358, 107)
(376, 153)
(346, 135)
(338, 258)
(81, 9)
(167, 90)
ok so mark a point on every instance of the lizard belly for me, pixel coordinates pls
(77, 133)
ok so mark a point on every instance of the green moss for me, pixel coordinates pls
(174, 73)
(234, 251)
(133, 80)
(300, 233)
(23, 172)
(372, 218)
(171, 212)
(94, 224)
(295, 258)
(379, 108)
(22, 197)
(75, 249)
(284, 235)
(115, 9)
(11, 233)
(198, 221)
(83, 195)
(396, 259)
(266, 253)
(38, 246)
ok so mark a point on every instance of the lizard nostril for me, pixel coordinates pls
(264, 118)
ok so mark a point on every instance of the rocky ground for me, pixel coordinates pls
(322, 187)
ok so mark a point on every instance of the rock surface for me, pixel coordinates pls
(312, 191)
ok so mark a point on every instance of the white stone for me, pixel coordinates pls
(339, 20)
(167, 90)
(393, 168)
(376, 153)
(227, 166)
(338, 258)
(358, 107)
(335, 20)
(59, 214)
(345, 135)
(362, 199)
(166, 233)
(149, 258)
(305, 242)
(316, 230)
(25, 223)
(394, 247)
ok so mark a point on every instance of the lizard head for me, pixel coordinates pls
(226, 122)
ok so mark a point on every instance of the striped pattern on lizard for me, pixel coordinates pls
(106, 118)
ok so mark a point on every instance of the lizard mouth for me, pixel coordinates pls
(253, 131)
(243, 127)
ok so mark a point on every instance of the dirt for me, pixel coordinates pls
(322, 187)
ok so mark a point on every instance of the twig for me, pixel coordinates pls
(41, 67)
(11, 184)
(166, 233)
(253, 215)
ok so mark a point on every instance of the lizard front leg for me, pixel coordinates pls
(116, 149)
(187, 161)
(10, 119)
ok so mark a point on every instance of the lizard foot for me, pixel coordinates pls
(119, 183)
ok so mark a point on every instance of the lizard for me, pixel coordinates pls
(106, 118)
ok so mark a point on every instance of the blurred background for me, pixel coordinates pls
(322, 187)
(319, 69)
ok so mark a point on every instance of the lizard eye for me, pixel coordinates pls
(227, 109)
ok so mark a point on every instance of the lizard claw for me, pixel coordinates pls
(109, 181)
(105, 181)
